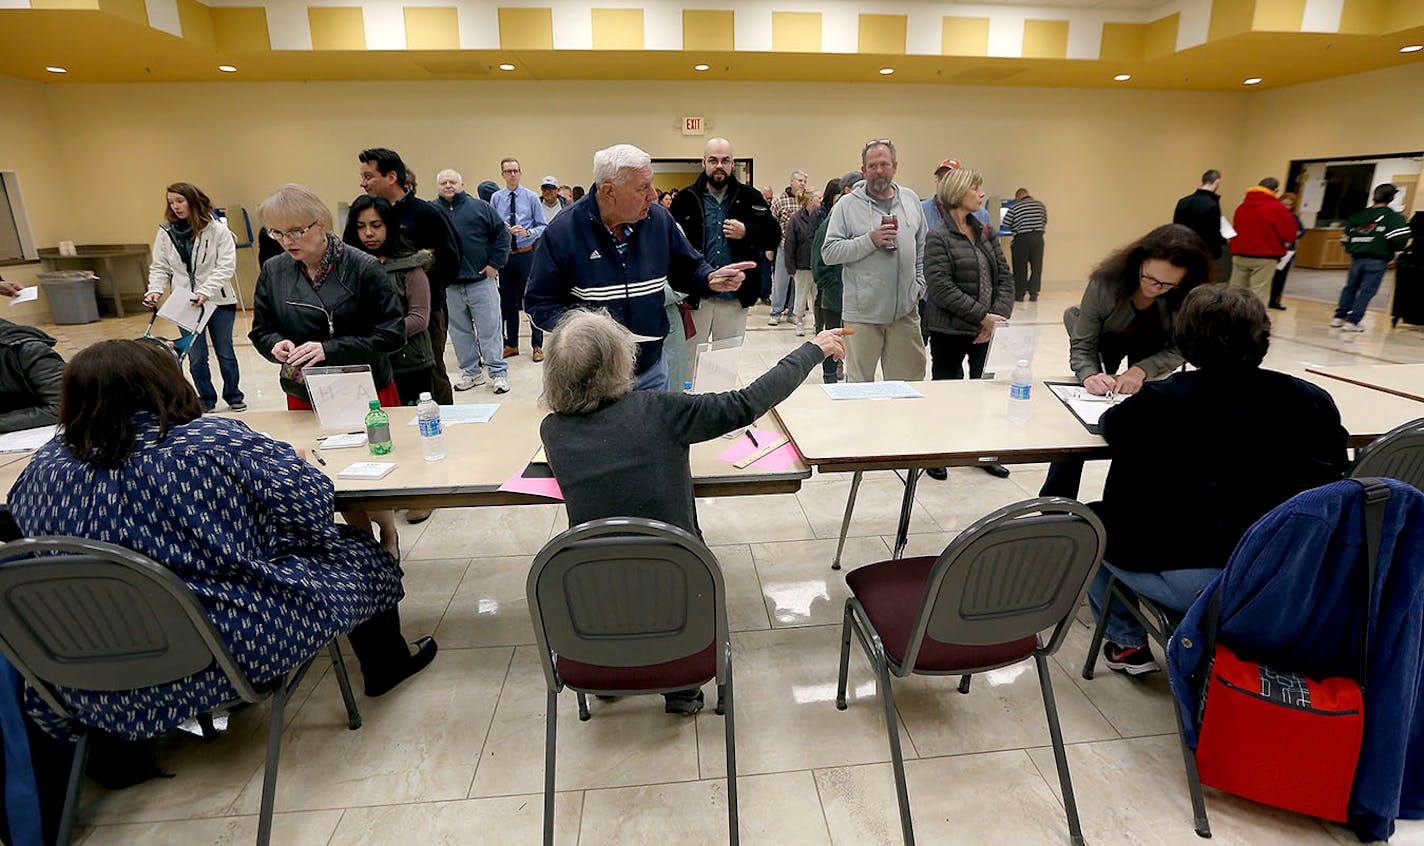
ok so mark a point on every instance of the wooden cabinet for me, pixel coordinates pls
(1321, 248)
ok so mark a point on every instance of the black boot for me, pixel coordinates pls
(384, 656)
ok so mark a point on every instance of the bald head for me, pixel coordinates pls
(450, 183)
(717, 161)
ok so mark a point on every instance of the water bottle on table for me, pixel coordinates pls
(378, 430)
(1020, 387)
(432, 434)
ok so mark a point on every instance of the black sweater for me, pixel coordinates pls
(1200, 211)
(427, 228)
(747, 205)
(30, 375)
(629, 458)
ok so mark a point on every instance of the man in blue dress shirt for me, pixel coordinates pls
(519, 209)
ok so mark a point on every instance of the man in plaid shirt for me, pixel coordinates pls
(782, 208)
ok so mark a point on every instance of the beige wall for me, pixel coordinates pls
(27, 147)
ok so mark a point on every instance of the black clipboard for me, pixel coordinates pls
(1093, 428)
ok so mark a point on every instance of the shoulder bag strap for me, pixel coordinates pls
(1375, 501)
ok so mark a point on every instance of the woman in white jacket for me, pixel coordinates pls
(197, 255)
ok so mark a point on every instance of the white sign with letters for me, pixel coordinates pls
(693, 126)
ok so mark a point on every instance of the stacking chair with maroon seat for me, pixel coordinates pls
(979, 605)
(625, 606)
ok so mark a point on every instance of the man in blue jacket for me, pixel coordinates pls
(473, 299)
(613, 250)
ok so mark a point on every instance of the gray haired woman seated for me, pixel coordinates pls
(623, 453)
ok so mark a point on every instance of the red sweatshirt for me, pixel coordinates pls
(1264, 227)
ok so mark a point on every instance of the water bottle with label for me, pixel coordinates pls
(378, 430)
(432, 434)
(1021, 385)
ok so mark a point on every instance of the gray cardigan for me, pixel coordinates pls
(1101, 312)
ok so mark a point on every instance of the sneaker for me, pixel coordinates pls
(470, 380)
(501, 386)
(800, 330)
(1132, 660)
(774, 321)
(237, 406)
(1352, 327)
(1337, 323)
(538, 354)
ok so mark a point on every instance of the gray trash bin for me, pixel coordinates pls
(71, 295)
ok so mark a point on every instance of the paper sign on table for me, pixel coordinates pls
(453, 415)
(717, 364)
(367, 470)
(894, 389)
(1010, 344)
(536, 478)
(26, 295)
(783, 458)
(344, 441)
(26, 439)
(179, 309)
(341, 395)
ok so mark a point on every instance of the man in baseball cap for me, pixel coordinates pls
(549, 198)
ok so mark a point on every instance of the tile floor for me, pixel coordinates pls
(456, 756)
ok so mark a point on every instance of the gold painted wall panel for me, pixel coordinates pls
(1161, 37)
(526, 29)
(196, 21)
(90, 5)
(240, 29)
(337, 27)
(1403, 14)
(1122, 42)
(796, 32)
(1363, 17)
(882, 34)
(1278, 15)
(432, 28)
(133, 10)
(1230, 17)
(709, 29)
(965, 37)
(1045, 39)
(617, 29)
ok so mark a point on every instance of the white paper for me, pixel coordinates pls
(643, 339)
(26, 295)
(1010, 344)
(26, 439)
(1285, 260)
(717, 364)
(1087, 406)
(179, 309)
(341, 395)
(870, 390)
(367, 470)
(1227, 230)
(454, 415)
(344, 441)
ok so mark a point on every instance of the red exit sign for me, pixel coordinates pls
(693, 126)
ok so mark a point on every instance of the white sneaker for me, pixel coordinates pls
(774, 321)
(501, 386)
(1337, 323)
(800, 330)
(1352, 327)
(469, 381)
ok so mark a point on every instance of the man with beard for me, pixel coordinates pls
(727, 222)
(877, 234)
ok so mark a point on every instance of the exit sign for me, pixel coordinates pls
(693, 126)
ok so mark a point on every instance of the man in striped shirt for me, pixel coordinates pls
(1027, 219)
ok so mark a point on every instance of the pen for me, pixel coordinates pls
(316, 453)
(754, 440)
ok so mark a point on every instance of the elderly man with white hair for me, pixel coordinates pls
(473, 298)
(614, 250)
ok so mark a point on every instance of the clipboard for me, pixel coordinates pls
(1091, 424)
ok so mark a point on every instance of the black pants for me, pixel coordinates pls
(827, 319)
(512, 279)
(948, 353)
(410, 384)
(440, 388)
(1278, 282)
(1065, 476)
(1028, 250)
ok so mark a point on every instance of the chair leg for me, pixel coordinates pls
(274, 753)
(721, 709)
(1194, 787)
(897, 761)
(730, 731)
(583, 708)
(343, 681)
(845, 657)
(1091, 662)
(210, 731)
(907, 507)
(551, 725)
(72, 791)
(964, 683)
(845, 521)
(1060, 756)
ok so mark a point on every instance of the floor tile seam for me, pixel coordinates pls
(587, 790)
(761, 589)
(494, 712)
(331, 841)
(451, 600)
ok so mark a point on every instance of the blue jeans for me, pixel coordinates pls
(1366, 273)
(219, 328)
(475, 326)
(655, 378)
(1175, 589)
(782, 287)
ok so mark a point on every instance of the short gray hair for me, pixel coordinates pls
(589, 360)
(611, 165)
(450, 170)
(295, 204)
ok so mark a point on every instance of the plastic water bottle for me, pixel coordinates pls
(1020, 387)
(378, 430)
(432, 434)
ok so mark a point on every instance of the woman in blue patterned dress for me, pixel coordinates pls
(241, 518)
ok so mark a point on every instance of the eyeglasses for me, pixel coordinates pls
(510, 170)
(713, 160)
(878, 142)
(1147, 277)
(290, 234)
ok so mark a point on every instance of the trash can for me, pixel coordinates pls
(71, 295)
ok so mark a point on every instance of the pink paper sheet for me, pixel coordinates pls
(539, 487)
(783, 458)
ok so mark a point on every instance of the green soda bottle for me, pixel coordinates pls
(378, 430)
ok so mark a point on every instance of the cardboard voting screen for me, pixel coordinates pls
(341, 395)
(1011, 343)
(717, 364)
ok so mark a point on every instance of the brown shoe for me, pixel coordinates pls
(511, 351)
(538, 354)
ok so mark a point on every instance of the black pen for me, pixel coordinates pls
(754, 440)
(316, 453)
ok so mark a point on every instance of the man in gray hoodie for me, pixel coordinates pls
(877, 234)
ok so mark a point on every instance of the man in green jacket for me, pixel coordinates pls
(1372, 237)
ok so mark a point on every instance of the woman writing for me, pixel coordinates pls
(968, 284)
(371, 226)
(258, 545)
(196, 254)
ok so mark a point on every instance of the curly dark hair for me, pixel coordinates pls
(108, 383)
(1223, 328)
(1173, 243)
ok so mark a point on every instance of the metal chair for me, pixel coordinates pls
(1398, 454)
(88, 615)
(978, 606)
(627, 606)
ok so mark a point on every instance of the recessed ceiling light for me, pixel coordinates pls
(1255, 80)
(701, 67)
(506, 67)
(886, 71)
(1411, 48)
(228, 68)
(56, 69)
(1122, 77)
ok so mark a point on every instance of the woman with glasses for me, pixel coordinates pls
(322, 303)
